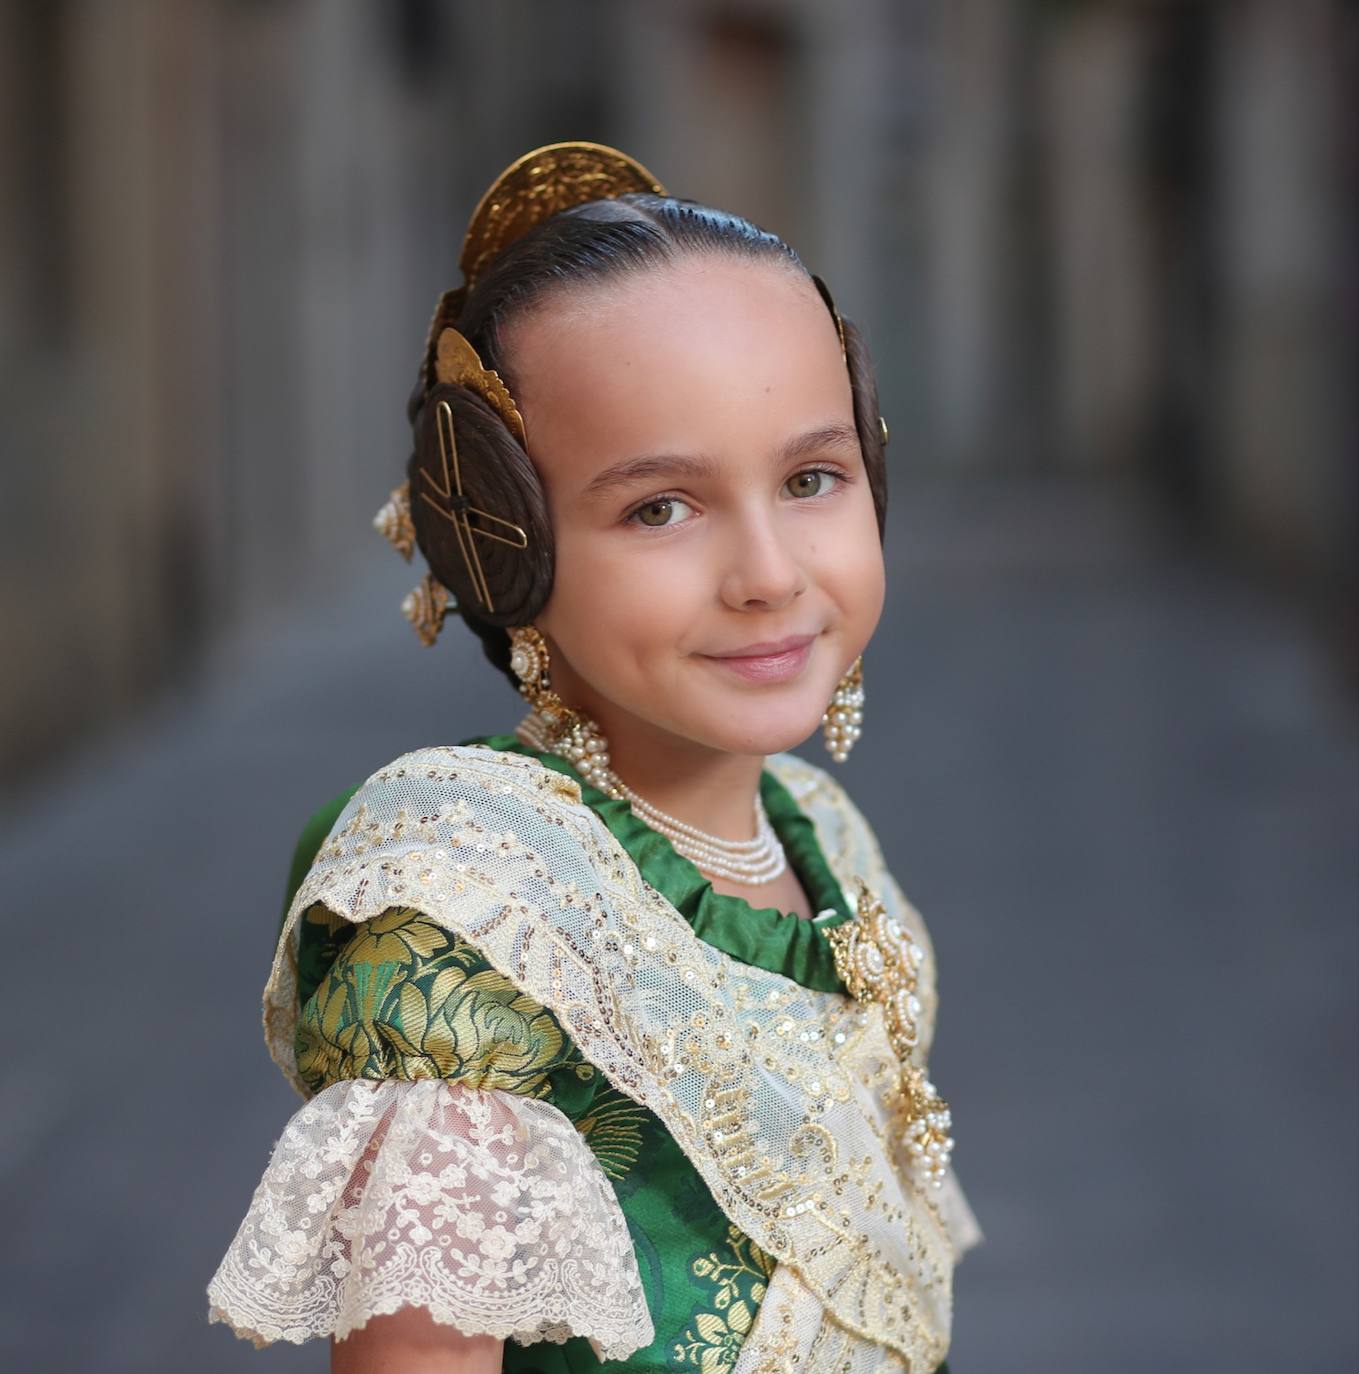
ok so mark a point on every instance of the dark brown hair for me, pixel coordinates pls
(590, 243)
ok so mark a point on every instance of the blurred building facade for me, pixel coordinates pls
(1109, 236)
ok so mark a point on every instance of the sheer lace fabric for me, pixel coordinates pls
(485, 1207)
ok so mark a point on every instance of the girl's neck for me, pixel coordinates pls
(711, 789)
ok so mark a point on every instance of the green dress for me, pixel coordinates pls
(400, 997)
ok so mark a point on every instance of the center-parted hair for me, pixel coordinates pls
(589, 244)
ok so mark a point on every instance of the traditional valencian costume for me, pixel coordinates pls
(559, 1089)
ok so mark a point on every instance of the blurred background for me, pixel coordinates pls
(1104, 254)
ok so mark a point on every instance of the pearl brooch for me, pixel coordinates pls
(877, 960)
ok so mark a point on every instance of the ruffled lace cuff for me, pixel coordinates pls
(485, 1207)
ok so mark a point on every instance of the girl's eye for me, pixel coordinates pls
(812, 482)
(658, 513)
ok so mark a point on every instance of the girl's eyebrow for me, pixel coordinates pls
(699, 465)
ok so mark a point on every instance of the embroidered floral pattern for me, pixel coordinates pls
(406, 999)
(613, 1128)
(739, 1274)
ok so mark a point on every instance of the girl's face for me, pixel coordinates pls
(718, 565)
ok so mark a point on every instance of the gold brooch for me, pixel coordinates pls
(879, 961)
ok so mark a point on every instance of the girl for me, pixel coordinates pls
(614, 1029)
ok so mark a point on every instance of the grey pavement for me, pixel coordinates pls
(1121, 784)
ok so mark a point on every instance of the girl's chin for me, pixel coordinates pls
(762, 734)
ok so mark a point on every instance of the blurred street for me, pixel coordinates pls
(1120, 782)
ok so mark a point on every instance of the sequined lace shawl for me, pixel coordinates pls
(774, 1091)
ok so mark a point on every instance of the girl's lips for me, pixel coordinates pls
(778, 667)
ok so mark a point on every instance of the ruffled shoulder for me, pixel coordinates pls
(484, 1207)
(402, 997)
(339, 999)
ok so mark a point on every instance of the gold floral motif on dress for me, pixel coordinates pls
(612, 1128)
(739, 1278)
(404, 999)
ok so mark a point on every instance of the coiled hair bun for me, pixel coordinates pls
(496, 477)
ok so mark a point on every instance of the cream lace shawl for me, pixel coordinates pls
(774, 1092)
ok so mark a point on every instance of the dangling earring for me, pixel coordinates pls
(843, 722)
(529, 663)
(554, 727)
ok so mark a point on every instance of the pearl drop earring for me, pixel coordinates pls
(842, 723)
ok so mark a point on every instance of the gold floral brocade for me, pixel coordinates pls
(774, 1091)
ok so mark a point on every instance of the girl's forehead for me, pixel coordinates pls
(705, 353)
(719, 295)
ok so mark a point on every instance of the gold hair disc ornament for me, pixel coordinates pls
(879, 960)
(541, 184)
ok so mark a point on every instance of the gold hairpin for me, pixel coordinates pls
(459, 509)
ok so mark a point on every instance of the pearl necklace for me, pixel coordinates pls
(755, 862)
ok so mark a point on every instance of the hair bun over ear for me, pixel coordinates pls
(478, 508)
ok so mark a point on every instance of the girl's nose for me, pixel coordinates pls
(762, 570)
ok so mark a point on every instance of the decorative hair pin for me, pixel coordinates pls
(458, 364)
(393, 522)
(426, 606)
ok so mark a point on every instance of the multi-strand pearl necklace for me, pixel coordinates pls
(756, 861)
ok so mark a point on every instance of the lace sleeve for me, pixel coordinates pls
(483, 1206)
